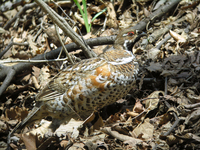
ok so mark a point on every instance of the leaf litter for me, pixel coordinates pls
(162, 114)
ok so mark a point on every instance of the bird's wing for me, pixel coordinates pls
(67, 78)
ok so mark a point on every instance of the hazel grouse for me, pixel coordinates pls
(88, 84)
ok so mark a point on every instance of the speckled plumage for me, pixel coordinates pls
(87, 85)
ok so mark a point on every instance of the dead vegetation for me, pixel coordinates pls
(161, 112)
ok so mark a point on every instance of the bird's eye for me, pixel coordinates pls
(130, 33)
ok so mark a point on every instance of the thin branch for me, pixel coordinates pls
(67, 29)
(177, 120)
(10, 45)
(61, 42)
(62, 23)
(157, 14)
(18, 68)
(26, 7)
(10, 74)
(32, 61)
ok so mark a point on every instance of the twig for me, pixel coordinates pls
(10, 45)
(163, 41)
(177, 120)
(26, 7)
(40, 30)
(32, 61)
(165, 85)
(72, 21)
(14, 4)
(104, 40)
(192, 106)
(158, 13)
(10, 74)
(104, 23)
(61, 42)
(119, 136)
(62, 23)
(18, 68)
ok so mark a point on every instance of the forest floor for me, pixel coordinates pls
(161, 111)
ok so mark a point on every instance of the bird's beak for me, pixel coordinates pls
(131, 43)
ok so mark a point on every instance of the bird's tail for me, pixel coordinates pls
(24, 122)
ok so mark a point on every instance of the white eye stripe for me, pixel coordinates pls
(125, 34)
(137, 31)
(131, 33)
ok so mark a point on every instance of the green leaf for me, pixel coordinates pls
(85, 16)
(83, 13)
(97, 15)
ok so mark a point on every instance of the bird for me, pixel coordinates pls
(87, 85)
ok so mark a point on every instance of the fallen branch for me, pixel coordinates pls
(67, 29)
(121, 137)
(8, 72)
(71, 47)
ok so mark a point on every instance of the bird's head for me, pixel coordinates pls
(127, 38)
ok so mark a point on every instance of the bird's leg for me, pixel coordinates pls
(55, 124)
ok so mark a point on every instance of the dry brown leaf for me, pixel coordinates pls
(29, 141)
(167, 73)
(190, 17)
(26, 78)
(192, 117)
(35, 82)
(146, 12)
(138, 108)
(189, 136)
(155, 67)
(14, 147)
(16, 113)
(17, 40)
(99, 123)
(36, 71)
(64, 144)
(171, 139)
(145, 130)
(153, 99)
(32, 45)
(163, 119)
(3, 127)
(11, 88)
(177, 37)
(153, 53)
(112, 17)
(95, 125)
(112, 119)
(121, 129)
(192, 96)
(132, 114)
